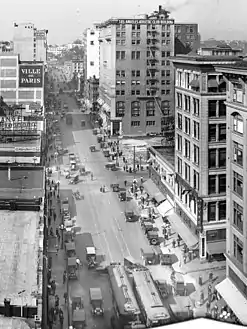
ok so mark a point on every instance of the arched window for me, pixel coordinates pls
(237, 123)
(150, 109)
(165, 107)
(120, 109)
(135, 109)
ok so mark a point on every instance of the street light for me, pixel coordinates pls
(21, 293)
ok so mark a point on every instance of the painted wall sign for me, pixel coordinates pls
(31, 76)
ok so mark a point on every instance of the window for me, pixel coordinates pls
(187, 172)
(120, 55)
(222, 132)
(195, 180)
(180, 121)
(150, 108)
(222, 158)
(212, 133)
(238, 216)
(179, 143)
(238, 124)
(91, 63)
(135, 55)
(196, 155)
(150, 123)
(187, 148)
(179, 100)
(120, 109)
(222, 210)
(187, 103)
(135, 73)
(222, 183)
(212, 108)
(135, 109)
(212, 184)
(196, 130)
(187, 125)
(222, 108)
(196, 108)
(120, 74)
(212, 211)
(180, 166)
(238, 153)
(238, 183)
(212, 158)
(238, 249)
(135, 123)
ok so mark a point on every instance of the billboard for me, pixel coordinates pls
(31, 76)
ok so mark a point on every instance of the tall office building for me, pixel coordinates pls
(187, 38)
(234, 288)
(200, 153)
(136, 88)
(30, 43)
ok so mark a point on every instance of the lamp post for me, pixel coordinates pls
(21, 294)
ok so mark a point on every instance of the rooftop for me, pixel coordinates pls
(168, 153)
(25, 182)
(200, 59)
(19, 245)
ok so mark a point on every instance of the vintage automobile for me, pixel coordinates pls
(96, 300)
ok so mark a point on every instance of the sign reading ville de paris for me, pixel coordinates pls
(31, 76)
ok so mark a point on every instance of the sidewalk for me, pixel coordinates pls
(58, 257)
(184, 306)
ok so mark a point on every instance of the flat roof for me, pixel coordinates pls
(200, 59)
(168, 153)
(25, 182)
(19, 244)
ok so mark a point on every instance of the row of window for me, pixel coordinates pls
(187, 149)
(136, 55)
(187, 126)
(137, 123)
(188, 103)
(137, 92)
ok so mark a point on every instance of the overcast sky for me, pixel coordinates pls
(67, 19)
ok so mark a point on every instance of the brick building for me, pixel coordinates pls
(200, 154)
(136, 78)
(234, 288)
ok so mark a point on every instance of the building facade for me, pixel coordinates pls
(187, 38)
(29, 42)
(234, 288)
(136, 88)
(200, 154)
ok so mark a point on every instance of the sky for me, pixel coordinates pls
(67, 19)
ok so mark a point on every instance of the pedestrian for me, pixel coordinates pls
(64, 276)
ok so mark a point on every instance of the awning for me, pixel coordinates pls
(164, 208)
(234, 299)
(179, 227)
(106, 107)
(212, 84)
(153, 190)
(194, 83)
(100, 101)
(217, 247)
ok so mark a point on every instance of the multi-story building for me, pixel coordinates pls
(200, 154)
(29, 42)
(187, 38)
(219, 50)
(136, 78)
(234, 288)
(91, 64)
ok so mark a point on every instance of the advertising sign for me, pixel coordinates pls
(31, 76)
